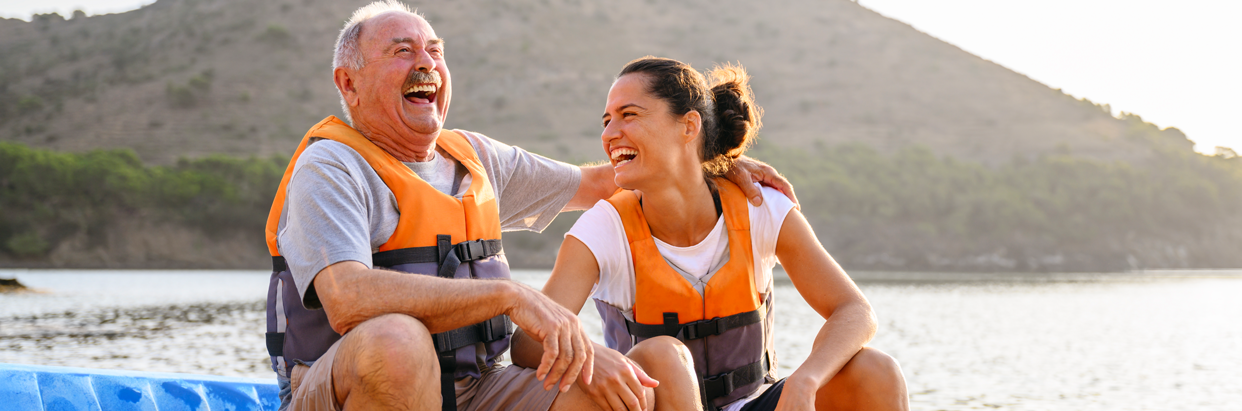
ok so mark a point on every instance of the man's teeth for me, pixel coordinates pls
(427, 88)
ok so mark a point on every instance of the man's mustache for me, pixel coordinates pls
(420, 77)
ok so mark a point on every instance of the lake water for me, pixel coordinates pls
(1148, 341)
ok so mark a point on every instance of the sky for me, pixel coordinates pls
(1175, 63)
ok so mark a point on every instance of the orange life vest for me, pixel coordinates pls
(436, 234)
(727, 328)
(474, 217)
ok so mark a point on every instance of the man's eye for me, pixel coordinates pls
(605, 125)
(403, 50)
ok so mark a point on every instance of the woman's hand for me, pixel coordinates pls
(618, 382)
(797, 394)
(746, 171)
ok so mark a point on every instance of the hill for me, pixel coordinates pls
(183, 78)
(124, 138)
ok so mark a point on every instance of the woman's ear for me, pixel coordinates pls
(693, 125)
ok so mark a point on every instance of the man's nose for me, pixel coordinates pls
(423, 62)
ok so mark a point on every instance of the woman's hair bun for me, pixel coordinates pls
(737, 117)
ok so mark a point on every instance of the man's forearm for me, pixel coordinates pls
(597, 184)
(352, 293)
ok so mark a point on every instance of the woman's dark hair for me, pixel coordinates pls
(723, 99)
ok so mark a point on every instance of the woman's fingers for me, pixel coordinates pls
(588, 365)
(643, 378)
(636, 390)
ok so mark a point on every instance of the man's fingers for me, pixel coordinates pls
(551, 349)
(768, 176)
(563, 360)
(749, 189)
(576, 366)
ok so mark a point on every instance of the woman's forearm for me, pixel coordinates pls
(841, 337)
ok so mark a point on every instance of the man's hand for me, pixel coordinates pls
(746, 171)
(567, 350)
(618, 383)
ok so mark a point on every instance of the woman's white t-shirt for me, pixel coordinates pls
(601, 230)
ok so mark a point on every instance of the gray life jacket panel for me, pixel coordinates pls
(731, 360)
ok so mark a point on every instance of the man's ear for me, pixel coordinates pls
(693, 125)
(345, 84)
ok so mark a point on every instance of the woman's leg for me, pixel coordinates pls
(667, 360)
(872, 380)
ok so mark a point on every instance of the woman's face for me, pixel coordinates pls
(644, 142)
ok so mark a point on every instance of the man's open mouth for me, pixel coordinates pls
(421, 93)
(422, 87)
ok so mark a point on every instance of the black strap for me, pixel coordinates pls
(279, 264)
(464, 251)
(276, 344)
(694, 330)
(493, 329)
(448, 390)
(723, 384)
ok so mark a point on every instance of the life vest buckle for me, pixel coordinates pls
(700, 329)
(470, 250)
(718, 385)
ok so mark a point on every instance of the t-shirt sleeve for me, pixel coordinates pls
(325, 222)
(531, 189)
(600, 229)
(766, 222)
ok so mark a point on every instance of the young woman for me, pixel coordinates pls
(680, 252)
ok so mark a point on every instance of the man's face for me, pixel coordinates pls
(404, 85)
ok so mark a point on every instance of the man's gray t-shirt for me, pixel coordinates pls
(338, 209)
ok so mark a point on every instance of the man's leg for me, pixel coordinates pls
(388, 362)
(872, 380)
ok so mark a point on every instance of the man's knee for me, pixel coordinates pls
(660, 350)
(390, 347)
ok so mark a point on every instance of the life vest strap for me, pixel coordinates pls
(275, 344)
(493, 329)
(693, 330)
(465, 251)
(723, 384)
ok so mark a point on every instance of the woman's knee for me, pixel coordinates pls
(875, 368)
(662, 349)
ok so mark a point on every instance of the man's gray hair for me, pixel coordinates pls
(348, 52)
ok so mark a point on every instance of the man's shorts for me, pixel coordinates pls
(501, 388)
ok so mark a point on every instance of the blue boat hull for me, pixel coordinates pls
(45, 388)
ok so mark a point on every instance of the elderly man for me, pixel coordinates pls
(364, 205)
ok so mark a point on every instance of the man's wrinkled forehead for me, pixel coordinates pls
(399, 27)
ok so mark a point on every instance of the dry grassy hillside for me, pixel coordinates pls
(246, 77)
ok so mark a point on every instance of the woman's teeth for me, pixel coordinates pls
(623, 155)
